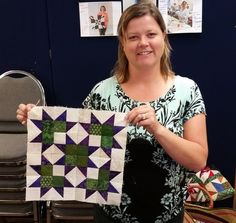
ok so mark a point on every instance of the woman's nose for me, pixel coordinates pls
(143, 42)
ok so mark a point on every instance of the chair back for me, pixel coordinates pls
(16, 87)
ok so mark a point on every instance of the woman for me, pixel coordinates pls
(166, 116)
(183, 14)
(103, 19)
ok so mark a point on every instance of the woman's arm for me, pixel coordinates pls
(191, 150)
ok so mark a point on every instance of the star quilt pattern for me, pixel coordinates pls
(75, 154)
(214, 182)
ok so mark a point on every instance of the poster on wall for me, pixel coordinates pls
(99, 18)
(127, 3)
(182, 16)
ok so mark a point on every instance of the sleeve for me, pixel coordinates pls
(194, 103)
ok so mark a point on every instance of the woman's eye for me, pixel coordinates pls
(132, 37)
(152, 34)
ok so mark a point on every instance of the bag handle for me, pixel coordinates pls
(192, 186)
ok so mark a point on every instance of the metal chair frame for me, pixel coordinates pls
(13, 170)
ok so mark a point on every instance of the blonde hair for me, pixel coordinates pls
(134, 11)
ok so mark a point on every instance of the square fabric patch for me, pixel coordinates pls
(214, 182)
(75, 154)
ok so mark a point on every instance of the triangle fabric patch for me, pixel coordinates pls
(79, 150)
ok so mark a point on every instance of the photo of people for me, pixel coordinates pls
(181, 10)
(99, 18)
(102, 18)
(182, 16)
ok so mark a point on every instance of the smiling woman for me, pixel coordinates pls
(165, 114)
(143, 44)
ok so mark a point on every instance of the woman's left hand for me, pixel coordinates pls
(145, 116)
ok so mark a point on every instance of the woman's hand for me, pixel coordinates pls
(145, 116)
(22, 112)
(181, 149)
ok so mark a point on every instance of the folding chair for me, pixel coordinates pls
(70, 211)
(16, 87)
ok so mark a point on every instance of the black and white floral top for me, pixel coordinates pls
(154, 184)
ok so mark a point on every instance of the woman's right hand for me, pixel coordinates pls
(22, 112)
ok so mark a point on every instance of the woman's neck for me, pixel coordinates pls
(144, 76)
(146, 86)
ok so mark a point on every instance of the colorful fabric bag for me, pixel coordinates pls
(214, 182)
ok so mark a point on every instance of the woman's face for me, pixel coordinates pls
(143, 43)
(102, 9)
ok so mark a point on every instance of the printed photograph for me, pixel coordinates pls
(99, 18)
(182, 11)
(182, 16)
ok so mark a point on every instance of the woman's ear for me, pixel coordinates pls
(164, 34)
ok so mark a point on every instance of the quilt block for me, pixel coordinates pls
(214, 182)
(75, 154)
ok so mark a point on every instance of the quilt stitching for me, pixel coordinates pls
(75, 154)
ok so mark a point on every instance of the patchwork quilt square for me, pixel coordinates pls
(214, 182)
(75, 154)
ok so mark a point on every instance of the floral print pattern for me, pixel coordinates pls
(179, 104)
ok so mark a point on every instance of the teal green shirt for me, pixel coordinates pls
(163, 187)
